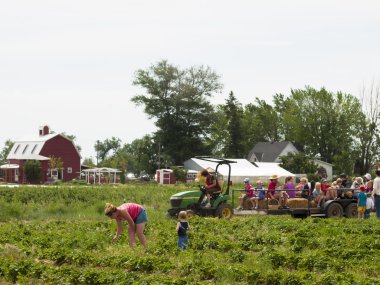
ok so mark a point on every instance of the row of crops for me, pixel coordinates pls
(59, 235)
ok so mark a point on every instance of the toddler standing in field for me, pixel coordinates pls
(182, 228)
(362, 203)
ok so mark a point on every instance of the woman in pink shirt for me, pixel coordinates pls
(136, 217)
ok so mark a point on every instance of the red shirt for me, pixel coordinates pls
(324, 188)
(271, 187)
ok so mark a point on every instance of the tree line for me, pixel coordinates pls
(336, 127)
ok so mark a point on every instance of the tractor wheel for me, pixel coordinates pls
(334, 210)
(172, 213)
(224, 211)
(351, 211)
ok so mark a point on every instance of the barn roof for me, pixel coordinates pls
(27, 149)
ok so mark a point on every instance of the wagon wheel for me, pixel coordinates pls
(224, 211)
(190, 214)
(334, 210)
(351, 211)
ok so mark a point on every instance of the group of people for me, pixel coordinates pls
(364, 189)
(252, 194)
(319, 192)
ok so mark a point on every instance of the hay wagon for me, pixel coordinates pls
(302, 207)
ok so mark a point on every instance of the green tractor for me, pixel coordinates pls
(194, 201)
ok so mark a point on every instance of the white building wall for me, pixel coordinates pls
(327, 166)
(289, 148)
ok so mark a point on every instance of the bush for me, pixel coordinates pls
(179, 173)
(32, 169)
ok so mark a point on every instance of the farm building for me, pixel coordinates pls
(241, 169)
(165, 176)
(44, 148)
(272, 151)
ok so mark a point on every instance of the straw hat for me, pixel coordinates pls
(273, 177)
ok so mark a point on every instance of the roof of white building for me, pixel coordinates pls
(244, 168)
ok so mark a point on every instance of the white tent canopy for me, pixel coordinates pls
(97, 172)
(241, 169)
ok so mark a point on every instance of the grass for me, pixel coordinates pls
(59, 235)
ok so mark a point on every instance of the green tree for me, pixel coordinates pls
(234, 112)
(180, 173)
(137, 157)
(217, 140)
(5, 151)
(178, 100)
(103, 148)
(298, 163)
(32, 170)
(261, 123)
(88, 162)
(368, 135)
(321, 123)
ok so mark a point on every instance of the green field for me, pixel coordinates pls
(59, 235)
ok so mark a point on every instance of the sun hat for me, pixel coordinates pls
(367, 176)
(246, 179)
(323, 180)
(273, 177)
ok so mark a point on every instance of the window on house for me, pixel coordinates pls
(26, 147)
(16, 149)
(69, 170)
(34, 148)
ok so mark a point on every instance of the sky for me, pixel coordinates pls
(70, 64)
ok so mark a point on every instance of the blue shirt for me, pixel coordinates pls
(362, 199)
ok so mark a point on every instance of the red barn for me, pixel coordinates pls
(42, 148)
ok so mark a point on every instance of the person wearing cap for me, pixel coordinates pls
(272, 187)
(247, 195)
(376, 193)
(367, 177)
(324, 186)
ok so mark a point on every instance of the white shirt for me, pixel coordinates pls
(376, 186)
(370, 203)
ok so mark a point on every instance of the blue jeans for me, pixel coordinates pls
(182, 242)
(377, 205)
(367, 213)
(141, 217)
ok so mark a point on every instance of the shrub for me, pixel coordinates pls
(32, 169)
